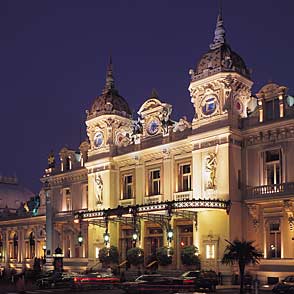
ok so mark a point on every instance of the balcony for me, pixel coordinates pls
(127, 202)
(152, 199)
(181, 196)
(64, 215)
(269, 191)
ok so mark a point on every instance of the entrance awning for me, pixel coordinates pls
(193, 205)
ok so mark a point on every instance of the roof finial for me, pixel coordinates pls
(154, 94)
(219, 33)
(109, 84)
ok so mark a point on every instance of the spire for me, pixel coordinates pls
(219, 33)
(109, 82)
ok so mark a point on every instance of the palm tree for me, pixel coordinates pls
(243, 253)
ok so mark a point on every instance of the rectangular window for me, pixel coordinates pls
(128, 187)
(184, 177)
(272, 109)
(210, 251)
(154, 182)
(68, 203)
(274, 241)
(273, 167)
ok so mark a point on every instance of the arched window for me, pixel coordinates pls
(68, 164)
(32, 245)
(15, 246)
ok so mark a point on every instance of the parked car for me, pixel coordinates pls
(146, 284)
(101, 280)
(285, 286)
(56, 280)
(206, 280)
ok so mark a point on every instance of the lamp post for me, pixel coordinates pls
(106, 238)
(80, 239)
(135, 238)
(170, 234)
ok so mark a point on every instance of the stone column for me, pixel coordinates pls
(6, 246)
(140, 190)
(197, 174)
(167, 176)
(49, 222)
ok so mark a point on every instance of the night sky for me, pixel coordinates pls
(54, 56)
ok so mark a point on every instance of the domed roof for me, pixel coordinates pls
(12, 194)
(110, 102)
(220, 57)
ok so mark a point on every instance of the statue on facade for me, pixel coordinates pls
(165, 119)
(211, 163)
(137, 126)
(182, 124)
(99, 189)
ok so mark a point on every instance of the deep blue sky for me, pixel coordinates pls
(53, 56)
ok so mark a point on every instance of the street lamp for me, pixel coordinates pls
(170, 234)
(106, 237)
(80, 239)
(135, 237)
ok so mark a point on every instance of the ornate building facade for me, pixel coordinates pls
(224, 175)
(22, 225)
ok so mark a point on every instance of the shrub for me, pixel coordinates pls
(135, 256)
(108, 255)
(189, 256)
(164, 255)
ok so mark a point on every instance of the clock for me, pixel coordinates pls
(153, 126)
(98, 139)
(209, 105)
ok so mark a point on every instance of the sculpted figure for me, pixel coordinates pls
(211, 163)
(99, 189)
(165, 119)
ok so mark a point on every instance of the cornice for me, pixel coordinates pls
(67, 177)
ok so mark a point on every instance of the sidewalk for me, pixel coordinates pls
(237, 287)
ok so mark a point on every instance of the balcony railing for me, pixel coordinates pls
(126, 202)
(152, 199)
(186, 195)
(269, 191)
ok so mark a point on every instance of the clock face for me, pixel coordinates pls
(209, 105)
(153, 127)
(98, 139)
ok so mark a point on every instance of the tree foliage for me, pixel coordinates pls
(108, 255)
(243, 253)
(189, 256)
(135, 256)
(164, 255)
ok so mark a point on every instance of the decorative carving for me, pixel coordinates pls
(277, 135)
(289, 209)
(99, 189)
(166, 153)
(182, 124)
(51, 160)
(254, 213)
